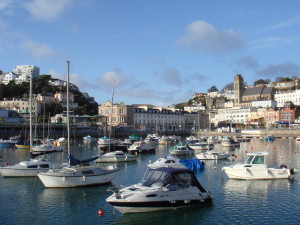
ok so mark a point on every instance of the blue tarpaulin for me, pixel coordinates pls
(192, 164)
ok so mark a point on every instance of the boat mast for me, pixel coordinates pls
(111, 112)
(68, 116)
(30, 113)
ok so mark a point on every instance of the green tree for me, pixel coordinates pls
(212, 89)
(260, 81)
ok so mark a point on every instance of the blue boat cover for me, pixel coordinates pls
(192, 164)
(74, 161)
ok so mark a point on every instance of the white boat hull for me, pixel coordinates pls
(13, 172)
(53, 180)
(247, 173)
(212, 156)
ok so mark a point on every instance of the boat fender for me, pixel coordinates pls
(293, 171)
(283, 166)
(6, 164)
(203, 163)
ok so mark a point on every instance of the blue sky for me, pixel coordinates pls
(158, 52)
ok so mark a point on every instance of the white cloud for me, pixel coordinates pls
(46, 10)
(283, 24)
(37, 50)
(271, 42)
(202, 36)
(107, 79)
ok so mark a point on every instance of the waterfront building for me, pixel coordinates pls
(236, 115)
(22, 106)
(157, 119)
(270, 117)
(284, 96)
(10, 116)
(287, 85)
(117, 114)
(25, 72)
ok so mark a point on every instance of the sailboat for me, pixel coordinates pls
(79, 173)
(28, 168)
(115, 156)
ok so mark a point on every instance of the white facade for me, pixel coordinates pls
(153, 119)
(9, 77)
(194, 108)
(235, 114)
(25, 72)
(21, 106)
(264, 104)
(282, 97)
(57, 82)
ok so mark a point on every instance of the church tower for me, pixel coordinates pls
(238, 89)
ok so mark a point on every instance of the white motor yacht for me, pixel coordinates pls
(117, 156)
(181, 149)
(28, 168)
(160, 189)
(255, 168)
(212, 155)
(174, 162)
(48, 145)
(141, 147)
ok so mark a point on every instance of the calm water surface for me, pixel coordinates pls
(26, 201)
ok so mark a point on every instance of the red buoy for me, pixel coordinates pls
(101, 212)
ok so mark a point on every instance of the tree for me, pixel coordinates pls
(260, 81)
(212, 89)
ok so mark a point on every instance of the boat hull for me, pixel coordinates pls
(140, 207)
(246, 173)
(14, 172)
(205, 156)
(51, 180)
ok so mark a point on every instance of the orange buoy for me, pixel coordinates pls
(100, 212)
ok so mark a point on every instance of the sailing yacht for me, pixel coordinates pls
(29, 168)
(78, 175)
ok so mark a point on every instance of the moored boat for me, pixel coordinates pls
(160, 189)
(255, 168)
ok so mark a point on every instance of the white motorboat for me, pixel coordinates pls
(181, 149)
(229, 142)
(89, 138)
(77, 173)
(28, 168)
(201, 146)
(160, 189)
(212, 155)
(255, 168)
(141, 147)
(117, 156)
(105, 141)
(174, 162)
(48, 145)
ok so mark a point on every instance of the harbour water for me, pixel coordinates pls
(26, 201)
